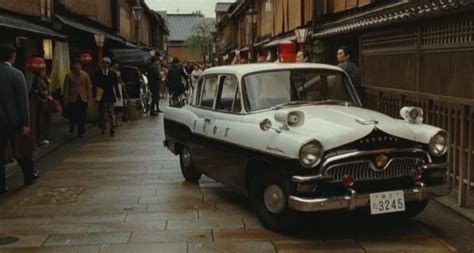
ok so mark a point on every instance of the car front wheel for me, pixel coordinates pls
(187, 168)
(269, 199)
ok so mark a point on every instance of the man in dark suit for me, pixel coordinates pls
(14, 115)
(154, 81)
(106, 92)
(344, 54)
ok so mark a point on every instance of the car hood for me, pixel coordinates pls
(335, 126)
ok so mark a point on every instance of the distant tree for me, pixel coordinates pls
(198, 13)
(200, 42)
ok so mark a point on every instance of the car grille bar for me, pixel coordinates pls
(366, 169)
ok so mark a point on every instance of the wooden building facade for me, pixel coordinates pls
(413, 53)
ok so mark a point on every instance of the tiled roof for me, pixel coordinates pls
(17, 23)
(87, 28)
(222, 7)
(163, 14)
(396, 13)
(181, 25)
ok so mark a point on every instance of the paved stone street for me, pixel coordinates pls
(126, 194)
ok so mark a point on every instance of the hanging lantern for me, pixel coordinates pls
(35, 64)
(85, 58)
(287, 52)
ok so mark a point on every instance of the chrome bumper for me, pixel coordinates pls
(353, 200)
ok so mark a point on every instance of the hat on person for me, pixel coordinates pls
(106, 60)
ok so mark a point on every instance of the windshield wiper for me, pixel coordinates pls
(297, 102)
(332, 102)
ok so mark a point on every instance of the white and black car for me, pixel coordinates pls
(294, 137)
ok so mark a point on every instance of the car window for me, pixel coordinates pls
(268, 89)
(208, 92)
(197, 92)
(228, 87)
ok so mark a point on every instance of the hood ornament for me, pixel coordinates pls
(381, 161)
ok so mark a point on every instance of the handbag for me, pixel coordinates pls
(54, 106)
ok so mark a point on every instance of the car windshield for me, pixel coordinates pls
(297, 86)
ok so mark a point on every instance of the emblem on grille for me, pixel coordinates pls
(381, 161)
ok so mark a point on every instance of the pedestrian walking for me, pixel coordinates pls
(121, 91)
(154, 80)
(14, 118)
(176, 75)
(42, 86)
(195, 75)
(164, 86)
(105, 91)
(344, 54)
(198, 69)
(77, 93)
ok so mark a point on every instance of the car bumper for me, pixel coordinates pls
(354, 200)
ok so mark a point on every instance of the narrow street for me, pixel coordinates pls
(126, 194)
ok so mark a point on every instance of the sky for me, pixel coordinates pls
(186, 6)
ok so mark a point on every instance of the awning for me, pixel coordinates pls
(261, 42)
(15, 23)
(89, 29)
(244, 49)
(276, 42)
(391, 14)
(131, 56)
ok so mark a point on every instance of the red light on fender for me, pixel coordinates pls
(348, 181)
(417, 175)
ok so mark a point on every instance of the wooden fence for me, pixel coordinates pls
(456, 115)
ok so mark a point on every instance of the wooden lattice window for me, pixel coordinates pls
(460, 33)
(394, 40)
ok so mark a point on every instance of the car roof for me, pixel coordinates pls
(244, 69)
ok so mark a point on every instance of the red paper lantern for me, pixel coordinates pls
(85, 58)
(287, 52)
(35, 64)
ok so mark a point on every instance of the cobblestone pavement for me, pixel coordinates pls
(126, 194)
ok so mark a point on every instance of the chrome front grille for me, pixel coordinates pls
(366, 169)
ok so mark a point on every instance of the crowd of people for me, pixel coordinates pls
(22, 104)
(175, 80)
(26, 108)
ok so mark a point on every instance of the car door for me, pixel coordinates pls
(203, 108)
(226, 157)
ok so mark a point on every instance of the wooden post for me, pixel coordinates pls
(100, 55)
(455, 146)
(470, 150)
(462, 154)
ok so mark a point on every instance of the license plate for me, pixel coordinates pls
(387, 202)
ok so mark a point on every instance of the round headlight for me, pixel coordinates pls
(311, 154)
(439, 144)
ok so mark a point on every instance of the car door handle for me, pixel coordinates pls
(207, 120)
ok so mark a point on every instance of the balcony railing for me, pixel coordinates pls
(455, 115)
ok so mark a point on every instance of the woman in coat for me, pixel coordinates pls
(42, 85)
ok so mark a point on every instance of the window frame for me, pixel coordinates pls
(200, 90)
(246, 104)
(219, 94)
(46, 9)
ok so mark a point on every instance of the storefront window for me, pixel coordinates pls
(48, 49)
